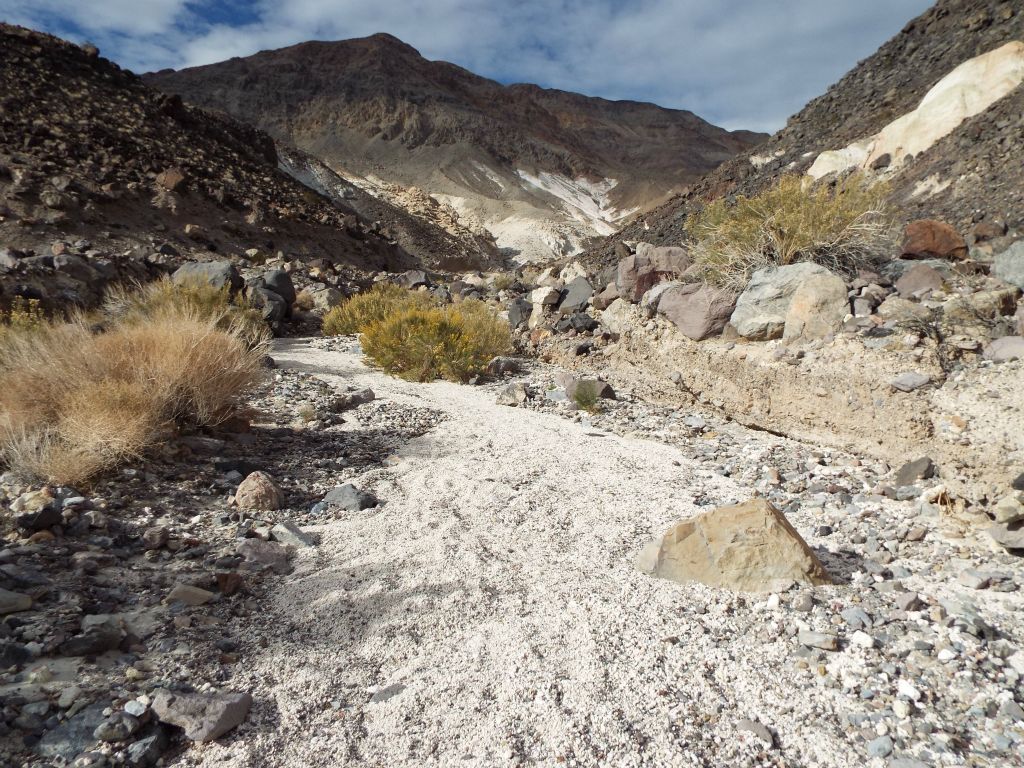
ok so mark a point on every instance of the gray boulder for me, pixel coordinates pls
(204, 717)
(817, 308)
(1006, 348)
(1009, 265)
(577, 295)
(350, 498)
(280, 282)
(762, 308)
(698, 311)
(918, 279)
(272, 305)
(414, 278)
(219, 274)
(519, 312)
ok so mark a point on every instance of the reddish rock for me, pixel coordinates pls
(173, 179)
(698, 311)
(646, 268)
(930, 239)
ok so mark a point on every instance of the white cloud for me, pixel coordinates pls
(739, 63)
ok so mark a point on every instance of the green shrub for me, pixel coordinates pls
(842, 227)
(427, 343)
(364, 309)
(24, 315)
(586, 397)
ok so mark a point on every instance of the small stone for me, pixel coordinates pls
(907, 601)
(880, 747)
(908, 382)
(189, 595)
(512, 395)
(759, 730)
(12, 602)
(803, 602)
(974, 579)
(350, 498)
(268, 553)
(907, 691)
(118, 727)
(863, 639)
(919, 469)
(288, 532)
(818, 640)
(155, 537)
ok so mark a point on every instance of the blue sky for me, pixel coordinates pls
(738, 63)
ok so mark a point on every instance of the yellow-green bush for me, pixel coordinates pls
(842, 226)
(140, 303)
(75, 402)
(426, 343)
(364, 309)
(23, 315)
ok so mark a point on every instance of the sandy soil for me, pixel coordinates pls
(488, 613)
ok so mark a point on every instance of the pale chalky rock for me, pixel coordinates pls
(259, 492)
(762, 308)
(204, 717)
(818, 307)
(749, 546)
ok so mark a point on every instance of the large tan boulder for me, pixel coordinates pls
(818, 308)
(259, 492)
(931, 239)
(698, 311)
(749, 547)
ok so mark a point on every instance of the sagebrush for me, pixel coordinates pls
(362, 310)
(843, 226)
(426, 343)
(78, 398)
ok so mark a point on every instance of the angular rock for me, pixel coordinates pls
(762, 307)
(280, 282)
(698, 311)
(272, 307)
(908, 382)
(204, 717)
(1008, 266)
(817, 308)
(820, 640)
(1009, 536)
(512, 395)
(347, 400)
(606, 297)
(325, 298)
(74, 735)
(579, 322)
(931, 239)
(146, 752)
(350, 498)
(918, 279)
(577, 296)
(118, 727)
(259, 492)
(289, 533)
(93, 641)
(1004, 349)
(12, 602)
(266, 553)
(414, 278)
(189, 595)
(499, 366)
(650, 265)
(519, 311)
(895, 308)
(749, 547)
(219, 274)
(918, 469)
(545, 296)
(13, 654)
(1009, 509)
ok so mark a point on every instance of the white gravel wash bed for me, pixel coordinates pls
(488, 613)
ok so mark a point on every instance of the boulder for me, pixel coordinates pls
(288, 533)
(220, 274)
(918, 469)
(749, 547)
(698, 311)
(579, 322)
(895, 308)
(258, 491)
(908, 382)
(272, 306)
(931, 239)
(577, 296)
(347, 400)
(267, 553)
(817, 308)
(604, 299)
(545, 296)
(325, 298)
(649, 301)
(204, 717)
(762, 307)
(640, 272)
(1009, 265)
(280, 282)
(414, 278)
(917, 280)
(12, 602)
(350, 498)
(519, 311)
(512, 395)
(1006, 348)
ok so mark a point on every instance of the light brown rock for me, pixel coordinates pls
(698, 311)
(818, 308)
(749, 547)
(259, 491)
(931, 239)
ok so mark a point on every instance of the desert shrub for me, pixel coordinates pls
(23, 315)
(586, 397)
(74, 402)
(141, 303)
(503, 281)
(426, 343)
(364, 309)
(843, 226)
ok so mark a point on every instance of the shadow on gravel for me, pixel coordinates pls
(841, 565)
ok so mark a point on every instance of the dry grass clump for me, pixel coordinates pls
(139, 303)
(427, 343)
(364, 309)
(843, 227)
(23, 315)
(74, 402)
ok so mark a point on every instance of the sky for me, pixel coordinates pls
(738, 63)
